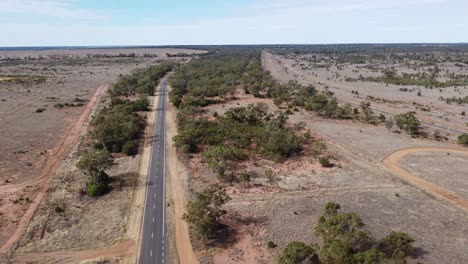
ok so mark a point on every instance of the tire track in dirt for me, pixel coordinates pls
(392, 163)
(122, 249)
(47, 171)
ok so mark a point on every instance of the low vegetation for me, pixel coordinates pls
(409, 123)
(463, 139)
(94, 163)
(427, 79)
(240, 132)
(204, 212)
(22, 79)
(344, 240)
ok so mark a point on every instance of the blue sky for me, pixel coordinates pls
(183, 22)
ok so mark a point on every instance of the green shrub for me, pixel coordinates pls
(296, 252)
(271, 244)
(94, 161)
(204, 212)
(98, 184)
(130, 148)
(325, 162)
(409, 123)
(463, 139)
(318, 147)
(396, 243)
(115, 127)
(59, 209)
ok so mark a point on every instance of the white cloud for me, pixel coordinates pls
(48, 8)
(273, 21)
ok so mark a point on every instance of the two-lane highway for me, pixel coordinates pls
(153, 236)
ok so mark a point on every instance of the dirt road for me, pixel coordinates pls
(176, 193)
(392, 163)
(45, 175)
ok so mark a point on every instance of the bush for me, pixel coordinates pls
(463, 139)
(297, 252)
(371, 256)
(98, 184)
(213, 155)
(271, 244)
(396, 243)
(204, 212)
(325, 162)
(318, 147)
(408, 122)
(115, 127)
(59, 209)
(130, 148)
(94, 161)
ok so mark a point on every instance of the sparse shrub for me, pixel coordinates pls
(130, 148)
(397, 245)
(408, 122)
(40, 110)
(271, 244)
(59, 209)
(318, 147)
(382, 118)
(98, 184)
(463, 139)
(297, 252)
(325, 162)
(204, 212)
(269, 175)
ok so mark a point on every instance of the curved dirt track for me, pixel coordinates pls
(392, 163)
(45, 175)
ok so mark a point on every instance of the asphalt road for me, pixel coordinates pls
(153, 249)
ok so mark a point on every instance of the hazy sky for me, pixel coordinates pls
(157, 22)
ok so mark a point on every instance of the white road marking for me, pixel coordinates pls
(151, 253)
(154, 206)
(153, 219)
(152, 234)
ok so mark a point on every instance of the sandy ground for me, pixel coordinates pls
(37, 140)
(177, 176)
(442, 114)
(44, 178)
(363, 185)
(446, 170)
(392, 162)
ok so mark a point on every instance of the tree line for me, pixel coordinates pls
(117, 126)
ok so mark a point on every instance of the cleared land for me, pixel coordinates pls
(285, 204)
(40, 154)
(364, 185)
